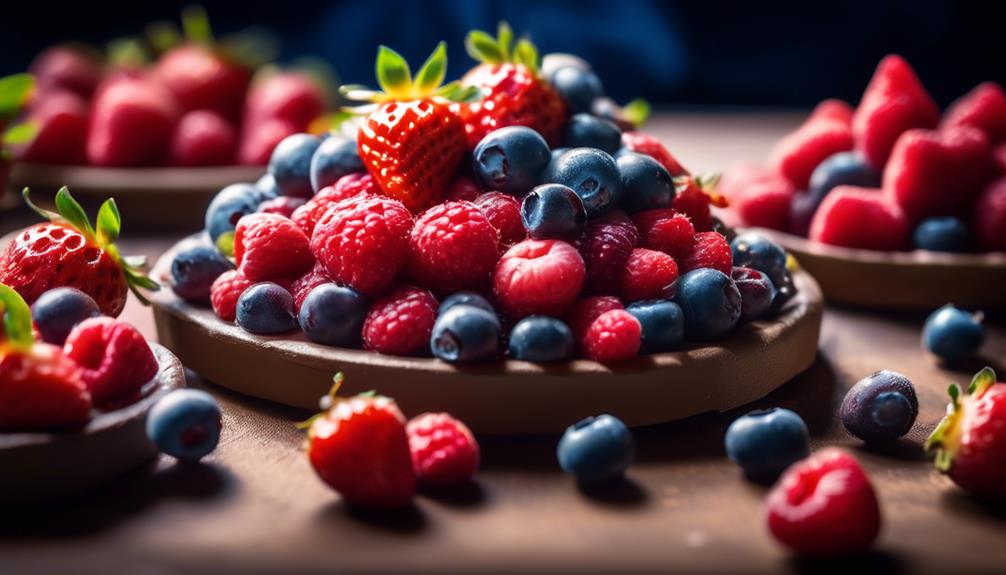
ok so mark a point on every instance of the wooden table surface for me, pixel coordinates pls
(256, 506)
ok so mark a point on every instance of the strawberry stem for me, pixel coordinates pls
(14, 92)
(16, 318)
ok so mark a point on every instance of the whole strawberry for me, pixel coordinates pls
(970, 442)
(67, 251)
(132, 121)
(114, 359)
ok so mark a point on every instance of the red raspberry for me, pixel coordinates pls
(646, 144)
(462, 189)
(346, 187)
(711, 250)
(503, 212)
(765, 202)
(363, 242)
(665, 230)
(614, 336)
(990, 217)
(452, 246)
(983, 108)
(586, 310)
(115, 361)
(538, 276)
(824, 505)
(694, 203)
(302, 286)
(444, 451)
(859, 218)
(401, 322)
(797, 154)
(225, 291)
(833, 109)
(41, 389)
(605, 245)
(283, 206)
(271, 247)
(648, 274)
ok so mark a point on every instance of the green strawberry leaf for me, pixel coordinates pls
(637, 111)
(393, 73)
(73, 213)
(127, 53)
(954, 392)
(109, 222)
(163, 36)
(16, 318)
(14, 91)
(455, 92)
(20, 133)
(483, 47)
(225, 244)
(982, 380)
(525, 53)
(432, 74)
(252, 47)
(504, 39)
(196, 24)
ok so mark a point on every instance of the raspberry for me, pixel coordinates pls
(452, 246)
(765, 203)
(614, 336)
(444, 451)
(586, 310)
(271, 247)
(283, 205)
(665, 230)
(605, 245)
(694, 203)
(983, 108)
(400, 323)
(711, 250)
(307, 282)
(833, 109)
(462, 189)
(648, 274)
(538, 276)
(346, 187)
(503, 212)
(225, 291)
(859, 218)
(990, 217)
(115, 361)
(796, 155)
(363, 242)
(646, 144)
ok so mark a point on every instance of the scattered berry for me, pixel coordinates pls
(541, 339)
(953, 334)
(465, 333)
(757, 292)
(767, 441)
(57, 311)
(444, 451)
(510, 160)
(538, 277)
(614, 336)
(400, 323)
(452, 246)
(185, 424)
(592, 174)
(662, 323)
(194, 270)
(333, 315)
(596, 449)
(648, 274)
(710, 302)
(880, 408)
(552, 211)
(115, 361)
(266, 308)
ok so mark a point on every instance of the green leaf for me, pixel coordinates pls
(16, 318)
(525, 53)
(46, 214)
(109, 222)
(20, 133)
(225, 244)
(432, 74)
(636, 111)
(455, 92)
(504, 39)
(163, 36)
(483, 47)
(126, 53)
(71, 211)
(196, 25)
(14, 92)
(954, 393)
(392, 71)
(982, 380)
(252, 47)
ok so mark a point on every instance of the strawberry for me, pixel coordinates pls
(67, 251)
(646, 144)
(61, 119)
(514, 93)
(115, 361)
(71, 67)
(970, 442)
(860, 218)
(989, 219)
(983, 108)
(999, 158)
(833, 109)
(292, 97)
(260, 138)
(132, 120)
(759, 196)
(270, 247)
(796, 155)
(695, 195)
(203, 138)
(894, 102)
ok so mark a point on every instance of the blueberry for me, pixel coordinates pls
(953, 334)
(592, 174)
(710, 301)
(802, 207)
(784, 291)
(552, 63)
(646, 185)
(596, 449)
(589, 131)
(510, 160)
(290, 164)
(556, 152)
(185, 424)
(465, 298)
(757, 292)
(466, 333)
(333, 315)
(946, 234)
(541, 339)
(841, 169)
(193, 271)
(578, 87)
(266, 308)
(881, 407)
(267, 189)
(609, 109)
(767, 441)
(335, 157)
(230, 205)
(552, 211)
(663, 324)
(57, 311)
(753, 250)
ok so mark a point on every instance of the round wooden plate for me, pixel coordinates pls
(506, 397)
(919, 280)
(149, 198)
(39, 465)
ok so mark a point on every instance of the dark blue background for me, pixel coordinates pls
(704, 52)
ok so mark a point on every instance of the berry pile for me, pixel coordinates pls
(890, 175)
(500, 213)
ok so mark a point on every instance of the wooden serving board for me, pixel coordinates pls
(505, 397)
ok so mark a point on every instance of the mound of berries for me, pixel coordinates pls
(891, 174)
(480, 219)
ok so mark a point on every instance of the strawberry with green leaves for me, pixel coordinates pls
(67, 251)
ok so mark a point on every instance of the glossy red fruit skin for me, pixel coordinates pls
(665, 230)
(290, 97)
(984, 108)
(503, 212)
(270, 247)
(67, 67)
(226, 290)
(348, 186)
(302, 286)
(132, 120)
(444, 451)
(282, 206)
(695, 204)
(538, 277)
(642, 143)
(585, 310)
(797, 154)
(61, 118)
(462, 188)
(41, 389)
(860, 218)
(401, 322)
(359, 448)
(648, 274)
(115, 361)
(979, 463)
(259, 139)
(989, 217)
(833, 109)
(605, 246)
(614, 336)
(999, 159)
(45, 256)
(413, 150)
(202, 80)
(204, 138)
(512, 96)
(710, 250)
(453, 247)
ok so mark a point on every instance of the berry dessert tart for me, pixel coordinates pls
(525, 244)
(882, 199)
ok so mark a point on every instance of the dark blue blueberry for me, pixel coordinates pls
(946, 234)
(185, 424)
(266, 308)
(266, 186)
(881, 407)
(841, 169)
(552, 63)
(230, 205)
(767, 441)
(556, 152)
(552, 211)
(754, 250)
(290, 164)
(589, 131)
(578, 88)
(510, 160)
(58, 310)
(953, 334)
(785, 289)
(646, 185)
(710, 301)
(541, 339)
(465, 298)
(335, 157)
(663, 324)
(596, 449)
(757, 292)
(609, 109)
(592, 174)
(333, 315)
(802, 207)
(193, 271)
(466, 333)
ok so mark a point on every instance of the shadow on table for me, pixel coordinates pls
(872, 561)
(958, 502)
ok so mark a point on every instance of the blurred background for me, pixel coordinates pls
(709, 53)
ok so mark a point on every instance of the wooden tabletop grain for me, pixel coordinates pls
(255, 506)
